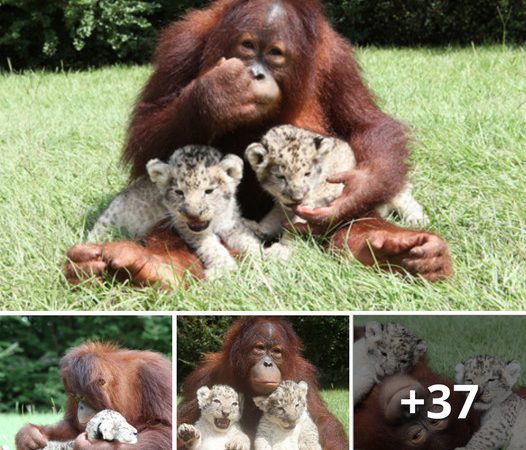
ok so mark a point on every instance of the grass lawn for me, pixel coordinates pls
(11, 423)
(452, 339)
(338, 402)
(61, 135)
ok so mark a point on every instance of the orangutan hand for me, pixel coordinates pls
(30, 438)
(400, 250)
(343, 208)
(123, 259)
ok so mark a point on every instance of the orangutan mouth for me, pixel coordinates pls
(198, 226)
(223, 424)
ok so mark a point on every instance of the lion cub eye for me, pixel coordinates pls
(209, 191)
(235, 404)
(217, 401)
(179, 192)
(308, 174)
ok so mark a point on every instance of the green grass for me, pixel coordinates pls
(11, 423)
(452, 339)
(61, 135)
(338, 403)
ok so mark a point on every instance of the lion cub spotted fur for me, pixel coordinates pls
(286, 424)
(292, 164)
(218, 427)
(385, 349)
(503, 411)
(107, 425)
(196, 190)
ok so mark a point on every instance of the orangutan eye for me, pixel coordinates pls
(248, 45)
(275, 51)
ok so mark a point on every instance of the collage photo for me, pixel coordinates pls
(262, 225)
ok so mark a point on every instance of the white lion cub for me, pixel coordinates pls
(286, 424)
(503, 411)
(218, 427)
(196, 189)
(385, 349)
(292, 164)
(107, 425)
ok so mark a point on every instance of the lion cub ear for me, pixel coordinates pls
(260, 402)
(513, 371)
(460, 369)
(203, 394)
(233, 166)
(323, 144)
(256, 154)
(159, 172)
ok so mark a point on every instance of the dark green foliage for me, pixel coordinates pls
(325, 340)
(433, 22)
(31, 348)
(79, 33)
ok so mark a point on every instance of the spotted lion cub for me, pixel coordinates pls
(286, 424)
(385, 349)
(292, 164)
(107, 425)
(503, 412)
(218, 427)
(196, 189)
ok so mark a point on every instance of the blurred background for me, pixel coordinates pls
(325, 342)
(82, 33)
(31, 348)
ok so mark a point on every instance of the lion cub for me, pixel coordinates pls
(107, 425)
(292, 164)
(385, 349)
(196, 190)
(286, 424)
(503, 411)
(218, 427)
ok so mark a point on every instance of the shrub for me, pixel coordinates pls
(325, 338)
(31, 349)
(76, 33)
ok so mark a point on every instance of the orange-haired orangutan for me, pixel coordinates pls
(257, 354)
(223, 76)
(98, 376)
